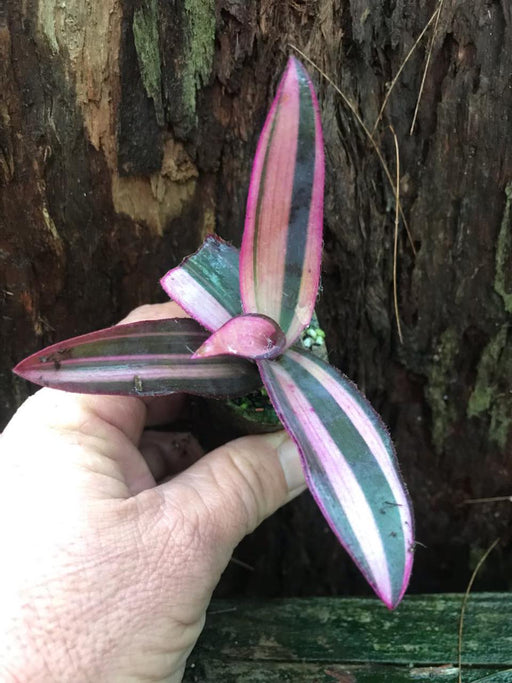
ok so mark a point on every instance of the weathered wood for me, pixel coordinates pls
(276, 672)
(127, 129)
(355, 640)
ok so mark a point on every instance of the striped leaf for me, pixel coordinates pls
(249, 336)
(145, 358)
(350, 466)
(282, 242)
(206, 284)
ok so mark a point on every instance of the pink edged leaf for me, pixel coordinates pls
(282, 244)
(145, 358)
(249, 336)
(206, 284)
(350, 466)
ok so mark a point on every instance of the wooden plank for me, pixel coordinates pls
(278, 672)
(302, 639)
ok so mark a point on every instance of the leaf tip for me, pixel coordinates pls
(249, 336)
(26, 368)
(19, 369)
(395, 598)
(204, 351)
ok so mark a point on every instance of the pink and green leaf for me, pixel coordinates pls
(350, 466)
(249, 336)
(206, 284)
(145, 358)
(256, 304)
(282, 243)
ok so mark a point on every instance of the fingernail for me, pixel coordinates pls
(290, 462)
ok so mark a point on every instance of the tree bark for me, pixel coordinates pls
(127, 129)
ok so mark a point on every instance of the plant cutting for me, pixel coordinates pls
(249, 309)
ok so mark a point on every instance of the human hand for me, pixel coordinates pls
(106, 575)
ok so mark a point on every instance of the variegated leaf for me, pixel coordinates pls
(282, 243)
(144, 358)
(206, 284)
(249, 336)
(350, 466)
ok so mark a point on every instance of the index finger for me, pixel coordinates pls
(127, 414)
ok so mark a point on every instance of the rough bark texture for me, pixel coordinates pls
(127, 129)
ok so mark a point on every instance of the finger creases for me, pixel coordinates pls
(239, 484)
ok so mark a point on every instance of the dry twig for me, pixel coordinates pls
(494, 499)
(465, 600)
(368, 134)
(395, 241)
(427, 64)
(402, 66)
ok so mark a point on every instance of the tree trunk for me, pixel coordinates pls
(127, 129)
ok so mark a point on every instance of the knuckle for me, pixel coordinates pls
(139, 313)
(171, 532)
(243, 480)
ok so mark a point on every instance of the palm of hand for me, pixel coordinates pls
(109, 575)
(105, 547)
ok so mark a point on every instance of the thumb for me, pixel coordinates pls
(231, 490)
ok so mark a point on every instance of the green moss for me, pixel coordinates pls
(504, 254)
(313, 339)
(46, 17)
(438, 389)
(254, 408)
(491, 394)
(191, 55)
(483, 392)
(200, 35)
(501, 421)
(145, 33)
